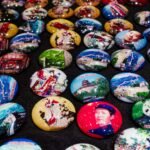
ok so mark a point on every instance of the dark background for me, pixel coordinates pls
(62, 139)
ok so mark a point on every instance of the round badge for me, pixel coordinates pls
(86, 25)
(12, 116)
(25, 42)
(58, 24)
(87, 12)
(14, 62)
(8, 15)
(48, 81)
(88, 2)
(131, 39)
(34, 13)
(89, 87)
(64, 3)
(8, 88)
(4, 42)
(35, 26)
(55, 58)
(133, 139)
(127, 60)
(141, 113)
(60, 12)
(143, 18)
(146, 34)
(8, 29)
(12, 4)
(39, 3)
(114, 10)
(20, 144)
(53, 113)
(99, 39)
(82, 146)
(65, 39)
(93, 60)
(129, 87)
(115, 26)
(138, 2)
(99, 119)
(117, 1)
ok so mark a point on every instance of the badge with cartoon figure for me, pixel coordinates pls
(65, 39)
(53, 113)
(82, 146)
(12, 117)
(99, 119)
(99, 39)
(129, 87)
(133, 139)
(131, 39)
(114, 10)
(89, 87)
(20, 144)
(48, 81)
(141, 113)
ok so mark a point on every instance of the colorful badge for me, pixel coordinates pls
(88, 2)
(39, 3)
(55, 58)
(93, 60)
(133, 139)
(8, 88)
(65, 39)
(87, 12)
(12, 4)
(143, 18)
(146, 34)
(48, 81)
(86, 25)
(14, 62)
(25, 42)
(115, 26)
(89, 87)
(64, 3)
(12, 116)
(34, 13)
(20, 144)
(53, 113)
(60, 12)
(114, 10)
(131, 39)
(59, 24)
(35, 26)
(82, 146)
(141, 113)
(138, 2)
(99, 39)
(129, 87)
(99, 119)
(127, 60)
(8, 15)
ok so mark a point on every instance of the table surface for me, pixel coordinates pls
(62, 139)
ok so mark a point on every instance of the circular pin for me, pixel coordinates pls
(39, 3)
(99, 119)
(55, 58)
(20, 144)
(133, 138)
(141, 113)
(89, 87)
(9, 88)
(65, 39)
(53, 113)
(64, 3)
(131, 39)
(93, 60)
(48, 81)
(99, 39)
(12, 116)
(14, 62)
(127, 60)
(87, 3)
(129, 87)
